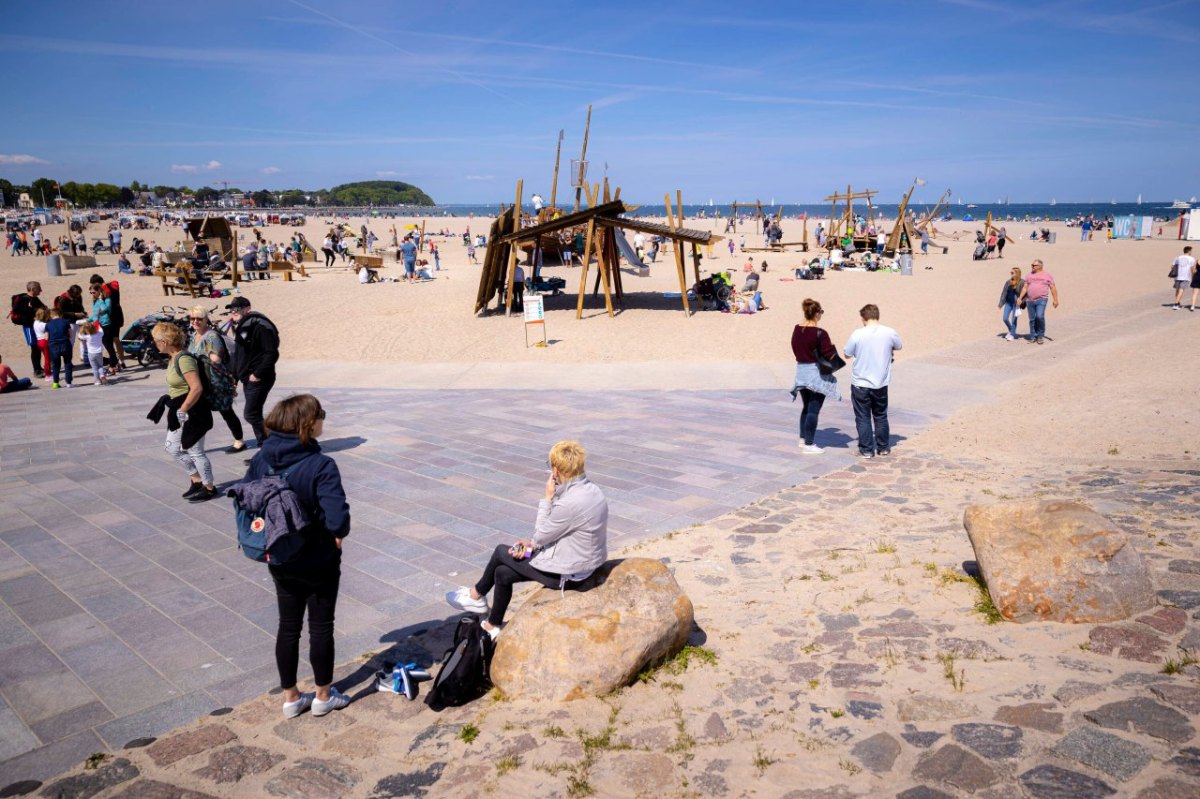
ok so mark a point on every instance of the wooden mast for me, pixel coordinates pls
(583, 155)
(554, 184)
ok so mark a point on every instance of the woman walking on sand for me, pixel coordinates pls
(808, 339)
(1010, 307)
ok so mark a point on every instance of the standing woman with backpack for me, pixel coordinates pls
(309, 579)
(209, 346)
(189, 417)
(116, 318)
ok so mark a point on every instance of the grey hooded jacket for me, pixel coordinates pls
(572, 529)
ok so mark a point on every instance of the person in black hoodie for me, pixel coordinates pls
(254, 360)
(24, 308)
(309, 580)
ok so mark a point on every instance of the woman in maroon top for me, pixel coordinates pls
(812, 386)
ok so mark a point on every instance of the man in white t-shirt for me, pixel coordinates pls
(1182, 269)
(871, 347)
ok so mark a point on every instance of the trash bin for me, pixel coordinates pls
(54, 265)
(1053, 237)
(906, 264)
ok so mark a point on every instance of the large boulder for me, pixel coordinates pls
(588, 643)
(1057, 561)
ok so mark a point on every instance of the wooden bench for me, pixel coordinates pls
(369, 261)
(287, 268)
(79, 262)
(178, 281)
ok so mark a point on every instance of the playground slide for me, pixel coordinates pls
(628, 253)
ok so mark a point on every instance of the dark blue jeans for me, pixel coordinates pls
(1037, 317)
(870, 417)
(809, 413)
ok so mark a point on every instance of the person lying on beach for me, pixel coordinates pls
(365, 275)
(570, 541)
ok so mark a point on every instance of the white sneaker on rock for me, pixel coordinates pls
(293, 709)
(461, 599)
(336, 701)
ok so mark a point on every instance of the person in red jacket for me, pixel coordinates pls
(808, 338)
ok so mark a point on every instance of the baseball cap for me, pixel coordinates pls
(237, 304)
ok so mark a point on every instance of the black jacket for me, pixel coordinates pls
(199, 422)
(27, 306)
(257, 347)
(318, 483)
(71, 307)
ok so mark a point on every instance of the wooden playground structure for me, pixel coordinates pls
(602, 221)
(843, 223)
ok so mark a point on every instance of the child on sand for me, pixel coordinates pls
(58, 334)
(40, 319)
(9, 382)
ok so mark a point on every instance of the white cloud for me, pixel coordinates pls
(21, 158)
(270, 170)
(481, 177)
(387, 173)
(191, 169)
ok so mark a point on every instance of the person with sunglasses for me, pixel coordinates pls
(209, 348)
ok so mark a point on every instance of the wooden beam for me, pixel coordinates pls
(233, 275)
(583, 154)
(554, 183)
(587, 257)
(606, 263)
(687, 311)
(512, 253)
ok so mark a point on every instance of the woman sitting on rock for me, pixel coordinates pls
(570, 541)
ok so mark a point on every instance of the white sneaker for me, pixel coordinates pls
(336, 701)
(293, 709)
(1009, 337)
(494, 632)
(460, 599)
(811, 449)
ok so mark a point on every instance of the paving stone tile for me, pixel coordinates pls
(27, 660)
(1143, 715)
(71, 721)
(1115, 756)
(15, 737)
(51, 759)
(157, 719)
(46, 609)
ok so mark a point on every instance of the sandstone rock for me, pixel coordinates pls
(924, 707)
(153, 789)
(185, 744)
(1111, 754)
(1167, 788)
(314, 779)
(90, 783)
(588, 643)
(1035, 715)
(415, 783)
(1052, 782)
(236, 762)
(877, 753)
(955, 766)
(1057, 561)
(626, 773)
(1145, 716)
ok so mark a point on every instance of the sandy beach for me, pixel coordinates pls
(832, 608)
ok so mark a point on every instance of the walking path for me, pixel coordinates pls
(126, 612)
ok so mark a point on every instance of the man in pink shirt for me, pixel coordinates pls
(9, 382)
(1039, 286)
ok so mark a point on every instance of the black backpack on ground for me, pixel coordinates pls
(466, 667)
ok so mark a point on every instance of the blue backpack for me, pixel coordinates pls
(270, 518)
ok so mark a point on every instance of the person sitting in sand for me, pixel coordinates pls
(365, 274)
(570, 541)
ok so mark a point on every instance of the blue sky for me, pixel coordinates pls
(1073, 100)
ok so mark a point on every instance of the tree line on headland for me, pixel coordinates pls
(44, 192)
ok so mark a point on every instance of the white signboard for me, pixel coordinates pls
(1193, 225)
(535, 308)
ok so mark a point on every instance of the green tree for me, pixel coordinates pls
(42, 192)
(263, 198)
(127, 195)
(206, 194)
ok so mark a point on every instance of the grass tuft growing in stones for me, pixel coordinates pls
(468, 733)
(884, 546)
(849, 766)
(983, 601)
(553, 731)
(762, 761)
(95, 760)
(507, 764)
(1173, 666)
(959, 679)
(680, 663)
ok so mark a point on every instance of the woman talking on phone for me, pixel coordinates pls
(570, 541)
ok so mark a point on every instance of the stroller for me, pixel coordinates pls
(137, 341)
(715, 289)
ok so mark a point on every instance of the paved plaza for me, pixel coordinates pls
(127, 611)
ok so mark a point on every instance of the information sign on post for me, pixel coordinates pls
(535, 314)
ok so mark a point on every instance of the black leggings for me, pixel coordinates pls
(317, 591)
(811, 411)
(235, 424)
(504, 571)
(111, 333)
(329, 257)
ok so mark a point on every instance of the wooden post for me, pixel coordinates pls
(587, 257)
(512, 257)
(687, 310)
(554, 183)
(234, 272)
(606, 263)
(583, 155)
(422, 247)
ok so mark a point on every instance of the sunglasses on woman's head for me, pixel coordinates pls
(321, 415)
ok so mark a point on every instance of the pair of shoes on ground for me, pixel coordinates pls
(810, 449)
(234, 449)
(66, 385)
(1009, 337)
(199, 493)
(336, 701)
(402, 680)
(461, 599)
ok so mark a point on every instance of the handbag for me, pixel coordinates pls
(827, 366)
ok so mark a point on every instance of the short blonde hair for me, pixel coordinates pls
(200, 311)
(568, 457)
(170, 335)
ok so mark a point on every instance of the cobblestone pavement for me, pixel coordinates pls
(850, 662)
(125, 611)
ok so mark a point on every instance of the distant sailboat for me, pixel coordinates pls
(1139, 201)
(1114, 201)
(710, 203)
(1193, 200)
(960, 202)
(1053, 201)
(772, 201)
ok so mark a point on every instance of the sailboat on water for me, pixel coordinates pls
(1139, 200)
(1053, 201)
